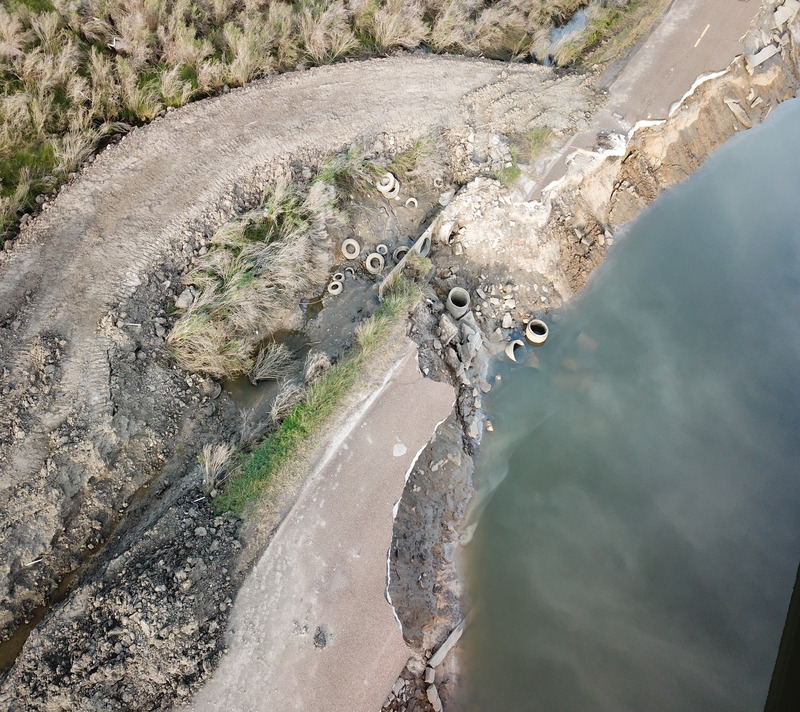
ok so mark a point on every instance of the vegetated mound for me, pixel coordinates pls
(75, 72)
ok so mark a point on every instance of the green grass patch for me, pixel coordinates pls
(508, 174)
(405, 163)
(536, 141)
(610, 32)
(321, 399)
(37, 6)
(35, 159)
(349, 172)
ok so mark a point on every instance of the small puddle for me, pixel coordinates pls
(255, 397)
(561, 35)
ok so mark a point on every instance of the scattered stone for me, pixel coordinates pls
(508, 321)
(739, 113)
(433, 697)
(185, 299)
(446, 197)
(448, 329)
(320, 638)
(430, 675)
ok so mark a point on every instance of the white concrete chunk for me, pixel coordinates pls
(754, 60)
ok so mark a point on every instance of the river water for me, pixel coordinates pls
(640, 529)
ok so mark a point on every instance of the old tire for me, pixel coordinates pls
(536, 332)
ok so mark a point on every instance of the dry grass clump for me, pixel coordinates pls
(74, 71)
(251, 281)
(274, 362)
(290, 394)
(349, 172)
(214, 461)
(417, 160)
(317, 362)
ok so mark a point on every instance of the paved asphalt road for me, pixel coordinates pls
(312, 628)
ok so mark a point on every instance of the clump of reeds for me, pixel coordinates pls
(274, 362)
(213, 461)
(251, 281)
(290, 394)
(349, 172)
(317, 362)
(415, 161)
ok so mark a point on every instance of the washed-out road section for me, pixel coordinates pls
(694, 37)
(311, 628)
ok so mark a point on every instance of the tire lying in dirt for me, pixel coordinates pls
(536, 332)
(399, 254)
(374, 263)
(351, 249)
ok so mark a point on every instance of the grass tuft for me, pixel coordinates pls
(536, 140)
(349, 173)
(213, 461)
(274, 362)
(409, 163)
(508, 174)
(252, 280)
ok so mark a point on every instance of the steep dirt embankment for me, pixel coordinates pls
(602, 192)
(94, 413)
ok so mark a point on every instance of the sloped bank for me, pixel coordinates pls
(578, 217)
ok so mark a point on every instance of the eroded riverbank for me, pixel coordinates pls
(535, 257)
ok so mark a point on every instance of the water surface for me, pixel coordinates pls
(639, 546)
